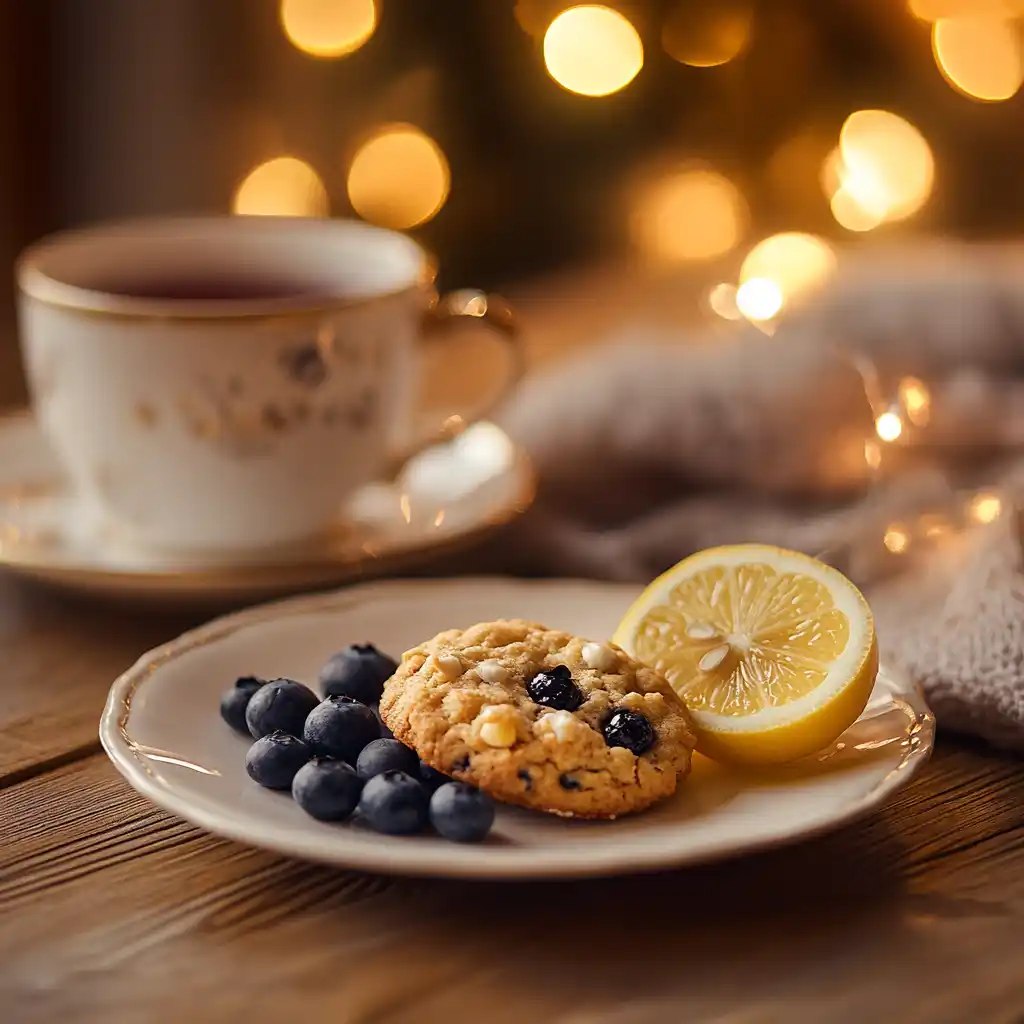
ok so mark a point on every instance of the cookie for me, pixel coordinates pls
(541, 718)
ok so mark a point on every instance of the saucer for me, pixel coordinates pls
(162, 730)
(446, 498)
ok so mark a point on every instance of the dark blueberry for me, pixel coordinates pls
(340, 727)
(274, 759)
(566, 781)
(281, 705)
(386, 756)
(462, 764)
(431, 777)
(461, 813)
(554, 688)
(394, 803)
(629, 729)
(234, 702)
(359, 672)
(327, 790)
(526, 778)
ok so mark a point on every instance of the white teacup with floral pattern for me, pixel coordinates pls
(223, 384)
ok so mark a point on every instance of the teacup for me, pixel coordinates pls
(225, 383)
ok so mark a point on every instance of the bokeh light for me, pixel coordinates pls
(707, 33)
(690, 214)
(933, 10)
(934, 526)
(282, 187)
(982, 57)
(592, 50)
(328, 28)
(985, 508)
(896, 539)
(759, 299)
(797, 263)
(849, 213)
(915, 400)
(722, 301)
(889, 426)
(398, 178)
(884, 167)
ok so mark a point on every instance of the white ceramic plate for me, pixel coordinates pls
(447, 497)
(162, 730)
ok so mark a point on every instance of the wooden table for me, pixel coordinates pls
(110, 910)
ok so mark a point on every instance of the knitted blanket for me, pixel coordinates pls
(649, 448)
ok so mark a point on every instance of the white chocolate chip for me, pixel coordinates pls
(450, 665)
(492, 672)
(713, 658)
(701, 631)
(498, 734)
(562, 725)
(599, 657)
(497, 725)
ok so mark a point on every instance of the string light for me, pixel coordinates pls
(896, 539)
(933, 526)
(707, 33)
(759, 299)
(915, 400)
(328, 28)
(798, 264)
(693, 214)
(592, 50)
(284, 187)
(889, 426)
(722, 300)
(399, 177)
(982, 57)
(985, 508)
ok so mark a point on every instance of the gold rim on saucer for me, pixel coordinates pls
(314, 569)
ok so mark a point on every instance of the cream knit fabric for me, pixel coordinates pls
(653, 448)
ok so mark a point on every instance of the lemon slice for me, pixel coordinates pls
(773, 651)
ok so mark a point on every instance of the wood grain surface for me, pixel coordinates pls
(111, 910)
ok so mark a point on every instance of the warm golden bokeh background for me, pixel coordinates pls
(737, 143)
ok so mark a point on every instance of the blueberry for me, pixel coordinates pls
(360, 672)
(554, 688)
(281, 705)
(234, 702)
(394, 803)
(431, 777)
(274, 759)
(629, 729)
(327, 790)
(340, 727)
(567, 782)
(525, 778)
(385, 756)
(461, 813)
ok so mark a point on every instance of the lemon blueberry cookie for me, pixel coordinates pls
(541, 718)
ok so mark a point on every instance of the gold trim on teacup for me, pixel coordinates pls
(39, 286)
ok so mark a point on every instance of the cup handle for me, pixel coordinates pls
(497, 314)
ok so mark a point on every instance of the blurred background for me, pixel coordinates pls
(741, 138)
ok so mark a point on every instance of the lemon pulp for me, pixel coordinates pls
(773, 652)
